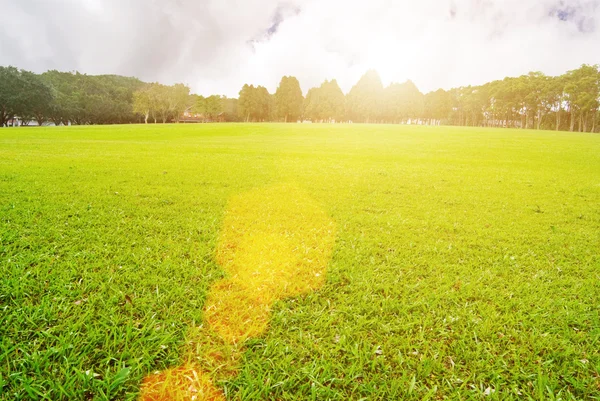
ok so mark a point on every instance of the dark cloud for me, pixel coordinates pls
(283, 11)
(578, 13)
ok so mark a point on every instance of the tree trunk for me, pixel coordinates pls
(40, 120)
(8, 117)
(572, 123)
(146, 118)
(558, 118)
(286, 116)
(579, 124)
(3, 117)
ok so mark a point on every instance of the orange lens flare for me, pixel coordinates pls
(275, 243)
(183, 383)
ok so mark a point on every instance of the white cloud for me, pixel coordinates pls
(218, 45)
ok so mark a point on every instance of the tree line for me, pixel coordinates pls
(567, 102)
(62, 97)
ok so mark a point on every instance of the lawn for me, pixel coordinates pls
(465, 263)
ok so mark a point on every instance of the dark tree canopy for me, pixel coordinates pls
(87, 99)
(25, 94)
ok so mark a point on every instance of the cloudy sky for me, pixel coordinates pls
(216, 46)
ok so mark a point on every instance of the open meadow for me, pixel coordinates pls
(451, 263)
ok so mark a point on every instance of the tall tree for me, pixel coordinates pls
(403, 102)
(36, 98)
(11, 87)
(289, 99)
(65, 103)
(229, 107)
(325, 103)
(178, 97)
(365, 99)
(437, 105)
(246, 102)
(312, 105)
(142, 102)
(554, 93)
(255, 103)
(582, 88)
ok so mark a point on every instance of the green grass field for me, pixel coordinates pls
(466, 262)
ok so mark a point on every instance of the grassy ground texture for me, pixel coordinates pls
(466, 262)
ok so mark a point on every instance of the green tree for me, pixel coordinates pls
(554, 94)
(210, 107)
(142, 102)
(289, 99)
(11, 87)
(325, 103)
(403, 102)
(178, 99)
(229, 107)
(437, 106)
(582, 88)
(246, 102)
(255, 103)
(311, 107)
(365, 100)
(23, 94)
(36, 98)
(65, 104)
